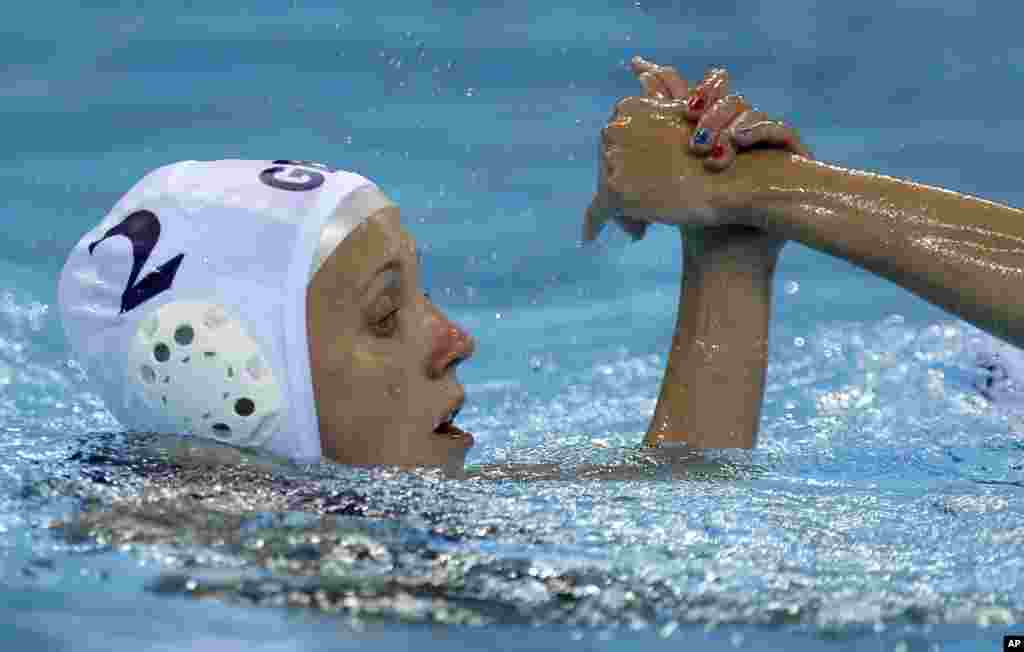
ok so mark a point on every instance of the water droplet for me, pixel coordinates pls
(792, 287)
(497, 315)
(798, 341)
(536, 363)
(470, 92)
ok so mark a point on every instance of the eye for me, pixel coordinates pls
(387, 326)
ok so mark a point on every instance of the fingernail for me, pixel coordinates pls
(718, 151)
(696, 103)
(702, 136)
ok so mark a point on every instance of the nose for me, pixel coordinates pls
(450, 343)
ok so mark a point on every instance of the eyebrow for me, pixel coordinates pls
(391, 265)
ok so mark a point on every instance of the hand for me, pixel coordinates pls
(659, 153)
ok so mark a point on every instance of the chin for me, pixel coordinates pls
(450, 445)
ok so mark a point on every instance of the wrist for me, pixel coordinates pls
(766, 188)
(794, 195)
(739, 247)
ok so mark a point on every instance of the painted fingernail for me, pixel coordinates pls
(696, 103)
(702, 136)
(718, 151)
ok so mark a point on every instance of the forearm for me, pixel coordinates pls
(714, 380)
(962, 253)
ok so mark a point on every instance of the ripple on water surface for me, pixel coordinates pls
(864, 506)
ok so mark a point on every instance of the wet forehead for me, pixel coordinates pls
(378, 241)
(384, 238)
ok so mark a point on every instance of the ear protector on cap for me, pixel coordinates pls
(195, 365)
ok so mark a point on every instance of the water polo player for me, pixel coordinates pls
(276, 304)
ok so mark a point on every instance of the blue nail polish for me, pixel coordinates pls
(702, 136)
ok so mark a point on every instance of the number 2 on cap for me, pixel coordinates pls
(143, 229)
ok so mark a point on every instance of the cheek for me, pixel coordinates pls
(376, 372)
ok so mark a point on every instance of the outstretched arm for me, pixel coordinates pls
(961, 253)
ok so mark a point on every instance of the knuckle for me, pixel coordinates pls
(624, 105)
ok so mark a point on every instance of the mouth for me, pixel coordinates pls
(447, 428)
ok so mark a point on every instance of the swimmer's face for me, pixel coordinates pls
(382, 356)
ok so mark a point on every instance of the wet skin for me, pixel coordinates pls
(713, 388)
(961, 253)
(383, 357)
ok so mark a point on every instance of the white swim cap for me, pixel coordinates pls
(187, 303)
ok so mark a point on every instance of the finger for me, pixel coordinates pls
(723, 153)
(754, 128)
(641, 65)
(594, 219)
(670, 81)
(673, 81)
(714, 87)
(653, 86)
(605, 203)
(717, 118)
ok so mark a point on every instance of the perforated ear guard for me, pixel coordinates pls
(194, 365)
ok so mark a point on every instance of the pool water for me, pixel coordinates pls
(882, 509)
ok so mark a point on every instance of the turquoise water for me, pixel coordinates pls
(882, 509)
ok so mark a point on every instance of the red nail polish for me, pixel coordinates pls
(718, 151)
(697, 103)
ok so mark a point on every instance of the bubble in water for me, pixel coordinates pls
(470, 92)
(799, 341)
(536, 363)
(792, 287)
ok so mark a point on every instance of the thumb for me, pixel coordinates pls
(597, 215)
